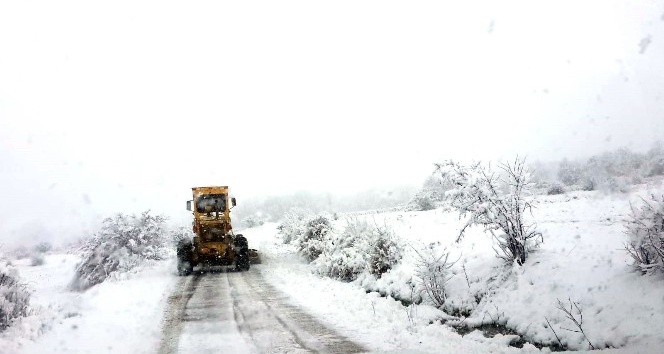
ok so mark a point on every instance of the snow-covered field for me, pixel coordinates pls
(117, 316)
(582, 259)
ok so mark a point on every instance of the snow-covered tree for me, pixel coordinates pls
(496, 201)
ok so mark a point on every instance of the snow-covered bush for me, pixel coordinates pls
(179, 233)
(432, 191)
(310, 243)
(610, 172)
(655, 166)
(587, 185)
(14, 296)
(385, 251)
(36, 254)
(21, 252)
(43, 247)
(496, 202)
(654, 160)
(646, 234)
(344, 255)
(358, 248)
(252, 221)
(619, 184)
(424, 203)
(123, 243)
(433, 273)
(36, 259)
(434, 188)
(555, 189)
(569, 172)
(293, 224)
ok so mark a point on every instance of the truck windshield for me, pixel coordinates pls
(211, 203)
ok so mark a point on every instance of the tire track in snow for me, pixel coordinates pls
(252, 291)
(240, 312)
(172, 322)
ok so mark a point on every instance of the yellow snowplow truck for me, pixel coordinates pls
(214, 242)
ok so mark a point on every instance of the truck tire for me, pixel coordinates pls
(241, 253)
(185, 258)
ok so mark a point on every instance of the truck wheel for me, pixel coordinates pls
(185, 258)
(241, 253)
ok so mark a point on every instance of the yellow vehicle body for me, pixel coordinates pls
(214, 242)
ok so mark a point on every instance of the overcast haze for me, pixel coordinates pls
(125, 105)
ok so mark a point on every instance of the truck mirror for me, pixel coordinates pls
(233, 201)
(189, 205)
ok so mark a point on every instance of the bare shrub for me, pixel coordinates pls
(496, 202)
(14, 296)
(575, 315)
(123, 243)
(645, 228)
(433, 273)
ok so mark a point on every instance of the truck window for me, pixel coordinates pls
(211, 203)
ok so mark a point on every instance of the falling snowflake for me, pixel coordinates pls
(645, 42)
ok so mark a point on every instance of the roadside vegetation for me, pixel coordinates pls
(123, 243)
(14, 295)
(499, 200)
(358, 248)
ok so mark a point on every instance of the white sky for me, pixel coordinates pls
(125, 105)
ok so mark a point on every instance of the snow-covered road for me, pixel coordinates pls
(239, 312)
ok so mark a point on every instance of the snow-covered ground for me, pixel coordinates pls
(117, 316)
(582, 259)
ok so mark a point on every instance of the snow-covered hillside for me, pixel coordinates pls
(582, 260)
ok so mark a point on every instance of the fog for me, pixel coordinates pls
(124, 106)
